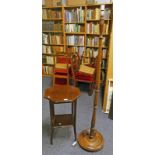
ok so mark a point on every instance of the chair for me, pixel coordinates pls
(61, 69)
(83, 72)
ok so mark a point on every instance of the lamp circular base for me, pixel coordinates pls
(92, 144)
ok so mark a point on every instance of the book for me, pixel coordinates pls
(105, 42)
(103, 75)
(45, 38)
(103, 64)
(106, 28)
(104, 54)
(44, 14)
(107, 14)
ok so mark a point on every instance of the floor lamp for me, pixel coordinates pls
(91, 139)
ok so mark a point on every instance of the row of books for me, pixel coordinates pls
(107, 13)
(56, 39)
(52, 39)
(93, 14)
(74, 15)
(48, 14)
(46, 49)
(94, 52)
(47, 70)
(92, 41)
(75, 40)
(49, 60)
(93, 28)
(78, 50)
(51, 26)
(74, 28)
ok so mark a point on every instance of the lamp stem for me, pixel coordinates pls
(91, 139)
(98, 76)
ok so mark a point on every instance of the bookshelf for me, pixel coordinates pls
(52, 37)
(75, 29)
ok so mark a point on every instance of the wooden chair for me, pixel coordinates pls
(61, 69)
(83, 72)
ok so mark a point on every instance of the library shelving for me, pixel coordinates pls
(75, 29)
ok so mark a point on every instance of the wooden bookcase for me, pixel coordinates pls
(79, 33)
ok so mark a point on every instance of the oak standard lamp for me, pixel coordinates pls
(91, 139)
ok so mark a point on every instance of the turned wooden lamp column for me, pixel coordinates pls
(91, 139)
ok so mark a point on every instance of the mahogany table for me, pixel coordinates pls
(61, 94)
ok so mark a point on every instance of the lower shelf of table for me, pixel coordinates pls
(63, 120)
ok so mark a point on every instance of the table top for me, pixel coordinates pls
(62, 93)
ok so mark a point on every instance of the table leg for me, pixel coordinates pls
(52, 113)
(74, 105)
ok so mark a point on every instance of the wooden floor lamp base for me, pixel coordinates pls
(91, 144)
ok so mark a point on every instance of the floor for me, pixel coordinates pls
(64, 137)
